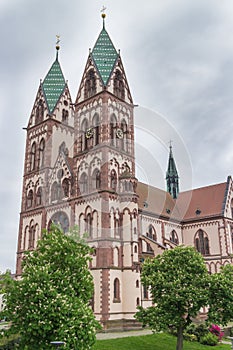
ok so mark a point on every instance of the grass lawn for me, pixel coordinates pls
(151, 342)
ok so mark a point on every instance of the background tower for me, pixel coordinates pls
(172, 177)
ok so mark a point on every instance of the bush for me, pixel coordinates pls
(198, 330)
(190, 337)
(209, 339)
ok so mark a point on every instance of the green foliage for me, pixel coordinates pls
(209, 339)
(51, 301)
(221, 296)
(178, 281)
(199, 330)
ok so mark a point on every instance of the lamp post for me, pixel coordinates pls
(57, 344)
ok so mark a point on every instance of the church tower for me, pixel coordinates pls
(172, 177)
(104, 161)
(80, 170)
(49, 132)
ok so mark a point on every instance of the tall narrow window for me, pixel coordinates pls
(113, 126)
(113, 180)
(89, 225)
(32, 232)
(41, 153)
(65, 115)
(96, 181)
(174, 237)
(39, 196)
(55, 192)
(124, 139)
(84, 128)
(33, 157)
(65, 188)
(83, 184)
(96, 127)
(90, 84)
(116, 290)
(202, 242)
(145, 292)
(30, 199)
(40, 112)
(152, 233)
(118, 85)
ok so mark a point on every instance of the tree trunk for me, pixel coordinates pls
(179, 344)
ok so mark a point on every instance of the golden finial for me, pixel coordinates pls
(103, 12)
(57, 42)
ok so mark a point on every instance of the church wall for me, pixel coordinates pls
(97, 291)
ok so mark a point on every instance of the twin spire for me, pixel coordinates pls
(104, 56)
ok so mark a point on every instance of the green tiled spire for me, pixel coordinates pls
(172, 177)
(104, 55)
(53, 85)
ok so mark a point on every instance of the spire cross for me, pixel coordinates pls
(58, 39)
(170, 144)
(103, 9)
(57, 45)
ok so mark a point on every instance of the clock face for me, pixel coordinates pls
(119, 133)
(89, 133)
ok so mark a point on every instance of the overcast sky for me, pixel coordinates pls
(178, 57)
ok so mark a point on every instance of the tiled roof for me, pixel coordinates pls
(156, 201)
(202, 202)
(53, 85)
(104, 55)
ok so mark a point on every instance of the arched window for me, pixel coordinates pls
(39, 196)
(90, 84)
(113, 180)
(174, 237)
(30, 199)
(137, 302)
(96, 127)
(55, 192)
(96, 180)
(89, 225)
(137, 284)
(60, 218)
(33, 157)
(135, 249)
(65, 115)
(124, 139)
(65, 187)
(32, 231)
(152, 233)
(202, 242)
(83, 183)
(84, 127)
(40, 112)
(145, 292)
(118, 85)
(113, 126)
(41, 153)
(116, 290)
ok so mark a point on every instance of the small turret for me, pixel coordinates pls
(172, 177)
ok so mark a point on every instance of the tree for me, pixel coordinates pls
(221, 296)
(51, 301)
(178, 282)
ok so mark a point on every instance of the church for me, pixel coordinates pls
(79, 170)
